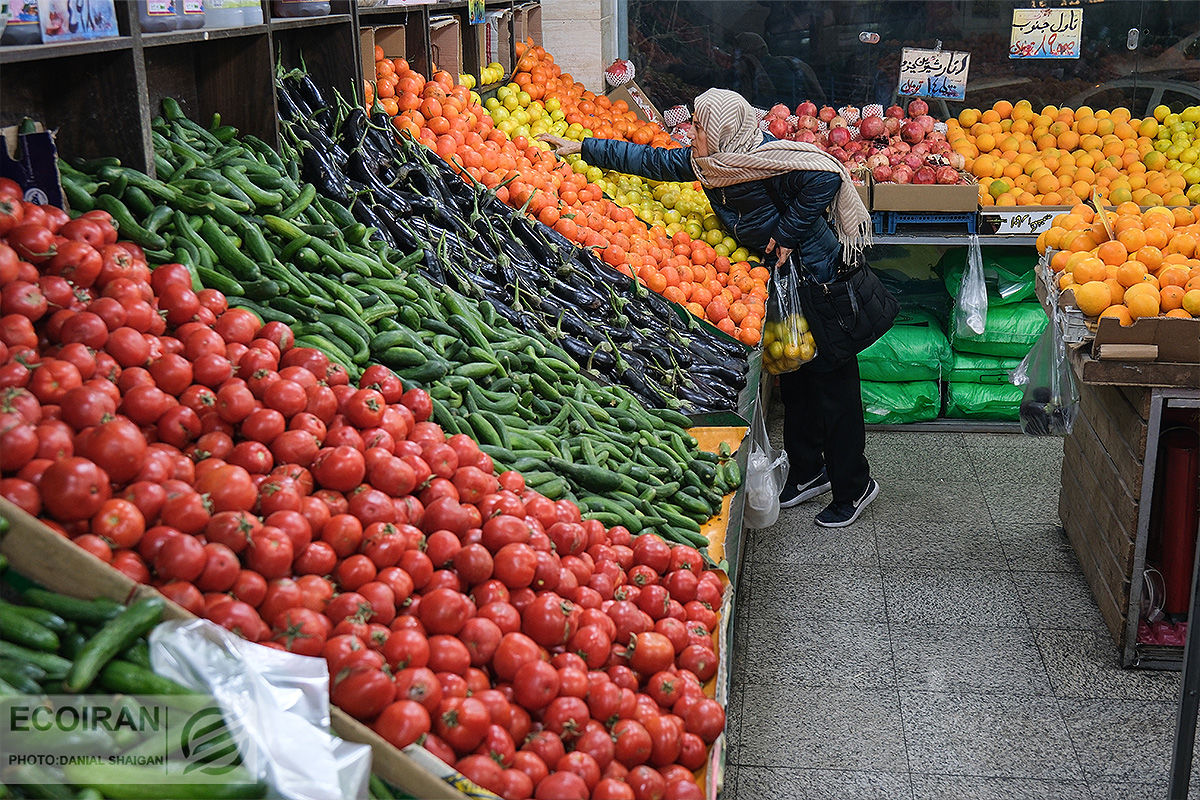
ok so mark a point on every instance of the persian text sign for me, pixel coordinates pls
(934, 73)
(1046, 33)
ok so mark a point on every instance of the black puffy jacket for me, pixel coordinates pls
(745, 209)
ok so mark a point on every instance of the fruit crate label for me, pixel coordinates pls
(1021, 221)
(934, 73)
(1046, 33)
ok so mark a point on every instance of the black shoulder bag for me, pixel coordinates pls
(846, 315)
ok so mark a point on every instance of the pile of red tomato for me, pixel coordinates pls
(196, 449)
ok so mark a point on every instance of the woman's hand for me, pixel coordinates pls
(784, 252)
(562, 147)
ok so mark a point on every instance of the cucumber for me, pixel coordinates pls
(55, 666)
(147, 783)
(123, 677)
(596, 479)
(118, 634)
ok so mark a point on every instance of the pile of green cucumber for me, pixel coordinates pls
(241, 219)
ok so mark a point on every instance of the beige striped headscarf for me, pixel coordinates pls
(738, 154)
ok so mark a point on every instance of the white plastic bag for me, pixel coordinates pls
(1051, 399)
(275, 703)
(766, 471)
(971, 305)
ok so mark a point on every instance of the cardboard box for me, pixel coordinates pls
(393, 40)
(637, 100)
(864, 191)
(495, 41)
(366, 50)
(1177, 340)
(528, 22)
(42, 555)
(445, 40)
(932, 198)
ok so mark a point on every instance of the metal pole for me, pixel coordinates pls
(1189, 699)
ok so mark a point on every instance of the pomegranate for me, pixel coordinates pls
(891, 126)
(958, 160)
(808, 122)
(925, 175)
(826, 114)
(914, 161)
(871, 127)
(912, 132)
(778, 110)
(806, 109)
(947, 175)
(902, 174)
(839, 137)
(877, 160)
(805, 136)
(838, 122)
(778, 127)
(926, 122)
(882, 173)
(917, 107)
(895, 112)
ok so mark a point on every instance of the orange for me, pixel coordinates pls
(1089, 269)
(1133, 239)
(1093, 297)
(1171, 297)
(1191, 302)
(1151, 256)
(1130, 273)
(1173, 276)
(1116, 289)
(1119, 312)
(1144, 304)
(1112, 253)
(1178, 313)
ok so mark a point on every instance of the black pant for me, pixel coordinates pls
(823, 425)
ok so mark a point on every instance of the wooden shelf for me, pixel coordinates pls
(201, 35)
(42, 52)
(308, 22)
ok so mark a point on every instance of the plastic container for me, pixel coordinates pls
(299, 8)
(23, 25)
(224, 14)
(191, 14)
(158, 16)
(252, 12)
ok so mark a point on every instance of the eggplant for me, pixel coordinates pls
(367, 216)
(328, 179)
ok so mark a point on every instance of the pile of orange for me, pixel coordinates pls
(445, 117)
(537, 74)
(1058, 156)
(1149, 267)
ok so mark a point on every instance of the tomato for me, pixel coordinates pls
(178, 426)
(263, 425)
(301, 630)
(180, 558)
(448, 654)
(674, 630)
(612, 789)
(483, 770)
(535, 684)
(354, 571)
(340, 468)
(120, 523)
(131, 565)
(562, 786)
(95, 545)
(420, 685)
(406, 648)
(597, 743)
(706, 719)
(565, 716)
(700, 660)
(18, 442)
(632, 741)
(445, 611)
(249, 587)
(550, 620)
(603, 697)
(362, 692)
(515, 565)
(239, 617)
(382, 601)
(515, 650)
(53, 378)
(270, 553)
(531, 763)
(481, 636)
(402, 722)
(665, 740)
(418, 566)
(462, 722)
(652, 551)
(238, 325)
(682, 585)
(32, 242)
(647, 783)
(505, 615)
(74, 489)
(417, 401)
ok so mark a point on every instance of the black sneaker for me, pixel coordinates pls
(794, 494)
(839, 515)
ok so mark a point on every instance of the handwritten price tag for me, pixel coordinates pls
(1046, 33)
(934, 73)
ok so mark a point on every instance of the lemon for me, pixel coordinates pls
(775, 349)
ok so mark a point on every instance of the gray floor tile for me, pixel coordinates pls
(1128, 791)
(910, 501)
(1125, 741)
(1017, 502)
(1086, 664)
(1015, 736)
(1033, 465)
(797, 539)
(932, 463)
(1058, 600)
(855, 729)
(796, 652)
(1037, 548)
(957, 787)
(876, 438)
(961, 658)
(951, 597)
(821, 784)
(733, 723)
(847, 594)
(1016, 441)
(934, 545)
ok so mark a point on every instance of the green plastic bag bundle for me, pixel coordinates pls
(1010, 331)
(911, 274)
(907, 353)
(895, 403)
(972, 368)
(1007, 271)
(1000, 402)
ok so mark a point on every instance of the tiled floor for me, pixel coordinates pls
(946, 647)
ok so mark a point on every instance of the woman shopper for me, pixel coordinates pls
(773, 196)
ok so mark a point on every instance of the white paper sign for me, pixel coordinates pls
(934, 73)
(1021, 222)
(1046, 33)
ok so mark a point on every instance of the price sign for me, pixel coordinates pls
(934, 73)
(1046, 33)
